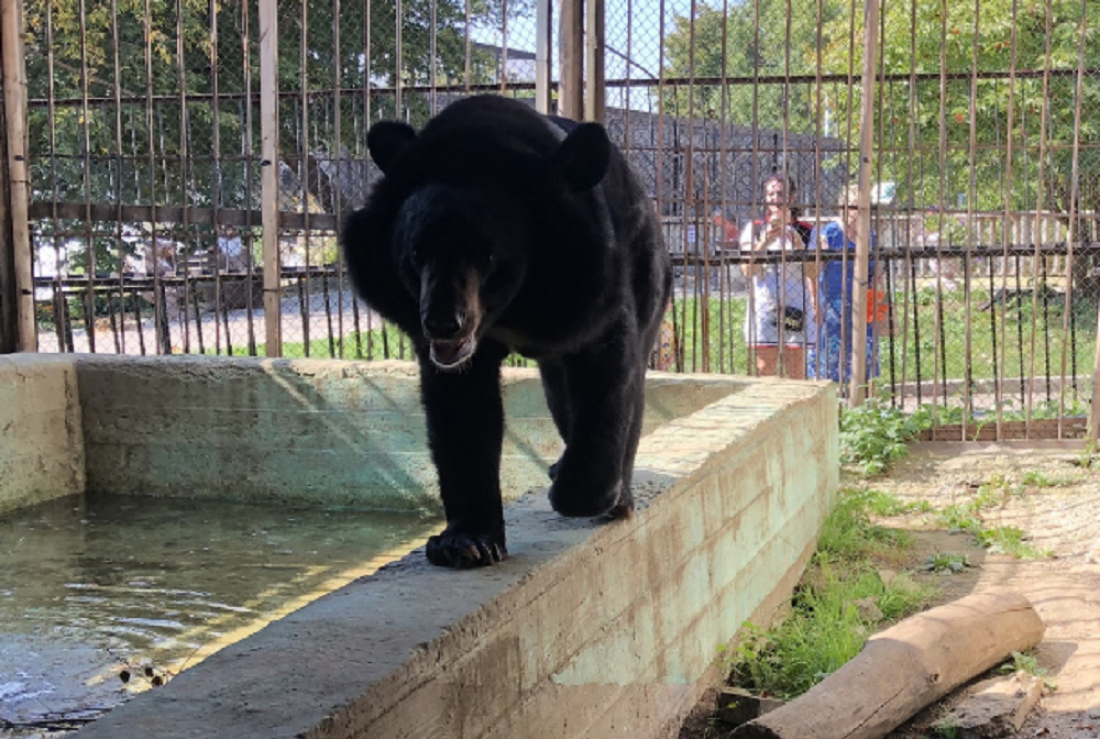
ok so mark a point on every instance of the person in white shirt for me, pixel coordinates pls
(781, 320)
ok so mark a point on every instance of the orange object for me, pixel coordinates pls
(877, 307)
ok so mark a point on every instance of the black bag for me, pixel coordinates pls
(793, 319)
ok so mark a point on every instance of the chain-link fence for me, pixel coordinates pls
(146, 122)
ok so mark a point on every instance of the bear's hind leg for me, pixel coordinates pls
(465, 416)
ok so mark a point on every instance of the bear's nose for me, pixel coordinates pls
(442, 325)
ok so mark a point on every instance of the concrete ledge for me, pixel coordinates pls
(41, 444)
(587, 631)
(314, 431)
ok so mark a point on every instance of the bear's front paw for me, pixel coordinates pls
(461, 550)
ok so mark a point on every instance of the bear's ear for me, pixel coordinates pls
(582, 159)
(386, 140)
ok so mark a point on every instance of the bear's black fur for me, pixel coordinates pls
(499, 229)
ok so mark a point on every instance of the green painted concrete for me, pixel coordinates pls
(588, 630)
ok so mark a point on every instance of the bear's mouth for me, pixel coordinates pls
(452, 354)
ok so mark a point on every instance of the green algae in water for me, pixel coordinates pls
(94, 586)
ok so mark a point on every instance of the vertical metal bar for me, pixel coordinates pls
(341, 167)
(469, 51)
(857, 381)
(305, 171)
(117, 91)
(503, 46)
(543, 40)
(1072, 230)
(968, 244)
(15, 114)
(216, 196)
(398, 59)
(247, 153)
(699, 341)
(160, 319)
(1039, 261)
(725, 297)
(1006, 232)
(86, 177)
(269, 145)
(184, 299)
(595, 92)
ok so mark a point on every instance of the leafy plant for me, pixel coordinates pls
(874, 435)
(947, 562)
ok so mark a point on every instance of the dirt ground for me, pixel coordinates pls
(1059, 511)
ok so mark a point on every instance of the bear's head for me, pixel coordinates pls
(464, 231)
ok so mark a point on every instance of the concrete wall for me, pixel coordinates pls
(316, 431)
(588, 630)
(41, 446)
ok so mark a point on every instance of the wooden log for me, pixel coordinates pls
(905, 668)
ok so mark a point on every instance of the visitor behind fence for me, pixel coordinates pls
(831, 357)
(781, 318)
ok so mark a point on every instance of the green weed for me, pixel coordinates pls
(849, 534)
(947, 562)
(830, 618)
(874, 435)
(1011, 541)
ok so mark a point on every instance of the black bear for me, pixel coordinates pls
(498, 229)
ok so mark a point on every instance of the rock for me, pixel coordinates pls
(735, 706)
(994, 708)
(869, 611)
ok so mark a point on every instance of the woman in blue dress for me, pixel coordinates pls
(831, 357)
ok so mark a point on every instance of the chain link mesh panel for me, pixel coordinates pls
(145, 133)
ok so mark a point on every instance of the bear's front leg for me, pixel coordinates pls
(465, 417)
(605, 389)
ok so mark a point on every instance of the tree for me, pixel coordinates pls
(117, 73)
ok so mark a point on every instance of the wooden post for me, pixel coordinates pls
(595, 93)
(269, 148)
(857, 382)
(571, 59)
(544, 33)
(15, 115)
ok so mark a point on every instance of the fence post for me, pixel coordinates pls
(571, 59)
(857, 382)
(595, 98)
(269, 186)
(8, 293)
(544, 13)
(20, 283)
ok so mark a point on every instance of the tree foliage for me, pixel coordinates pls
(922, 128)
(118, 72)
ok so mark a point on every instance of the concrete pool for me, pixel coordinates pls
(588, 630)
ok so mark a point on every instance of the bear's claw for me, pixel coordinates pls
(463, 551)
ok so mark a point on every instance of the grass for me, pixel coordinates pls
(967, 517)
(831, 617)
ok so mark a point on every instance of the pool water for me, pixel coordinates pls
(97, 588)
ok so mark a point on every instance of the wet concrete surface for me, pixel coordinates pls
(96, 587)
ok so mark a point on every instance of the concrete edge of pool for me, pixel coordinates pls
(589, 630)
